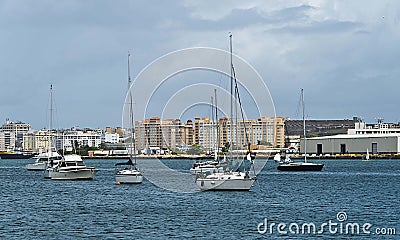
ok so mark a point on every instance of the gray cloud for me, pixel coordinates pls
(81, 47)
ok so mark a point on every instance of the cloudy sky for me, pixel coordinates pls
(344, 54)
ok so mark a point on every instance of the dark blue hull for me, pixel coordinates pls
(15, 156)
(300, 167)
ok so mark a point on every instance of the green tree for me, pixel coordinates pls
(195, 149)
(226, 147)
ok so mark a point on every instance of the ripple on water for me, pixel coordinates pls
(43, 209)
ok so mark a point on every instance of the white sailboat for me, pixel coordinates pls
(301, 166)
(277, 158)
(216, 165)
(131, 174)
(231, 179)
(69, 167)
(366, 156)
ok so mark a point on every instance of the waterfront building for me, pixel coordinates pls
(188, 134)
(271, 130)
(112, 138)
(75, 138)
(7, 140)
(205, 133)
(378, 139)
(154, 134)
(12, 134)
(28, 142)
(40, 141)
(148, 135)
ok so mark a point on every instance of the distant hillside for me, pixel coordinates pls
(316, 128)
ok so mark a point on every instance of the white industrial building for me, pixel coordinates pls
(378, 140)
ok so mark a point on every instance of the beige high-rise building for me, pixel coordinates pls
(154, 133)
(188, 133)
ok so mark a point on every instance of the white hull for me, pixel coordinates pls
(234, 181)
(79, 174)
(197, 170)
(125, 178)
(71, 167)
(36, 166)
(129, 176)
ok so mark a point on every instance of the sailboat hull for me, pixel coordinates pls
(225, 182)
(211, 169)
(301, 167)
(81, 174)
(129, 177)
(36, 166)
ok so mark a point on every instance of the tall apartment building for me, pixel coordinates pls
(205, 133)
(7, 140)
(12, 134)
(154, 133)
(148, 134)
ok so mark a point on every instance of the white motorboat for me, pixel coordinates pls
(42, 159)
(70, 167)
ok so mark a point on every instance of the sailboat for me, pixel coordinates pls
(51, 155)
(232, 179)
(216, 165)
(301, 166)
(131, 174)
(366, 156)
(68, 167)
(277, 158)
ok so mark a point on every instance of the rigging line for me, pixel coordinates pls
(131, 116)
(241, 108)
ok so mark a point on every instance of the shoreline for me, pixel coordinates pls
(263, 156)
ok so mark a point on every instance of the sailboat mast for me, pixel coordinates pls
(216, 125)
(50, 122)
(133, 144)
(211, 129)
(304, 125)
(231, 117)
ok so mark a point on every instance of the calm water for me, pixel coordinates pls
(35, 208)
